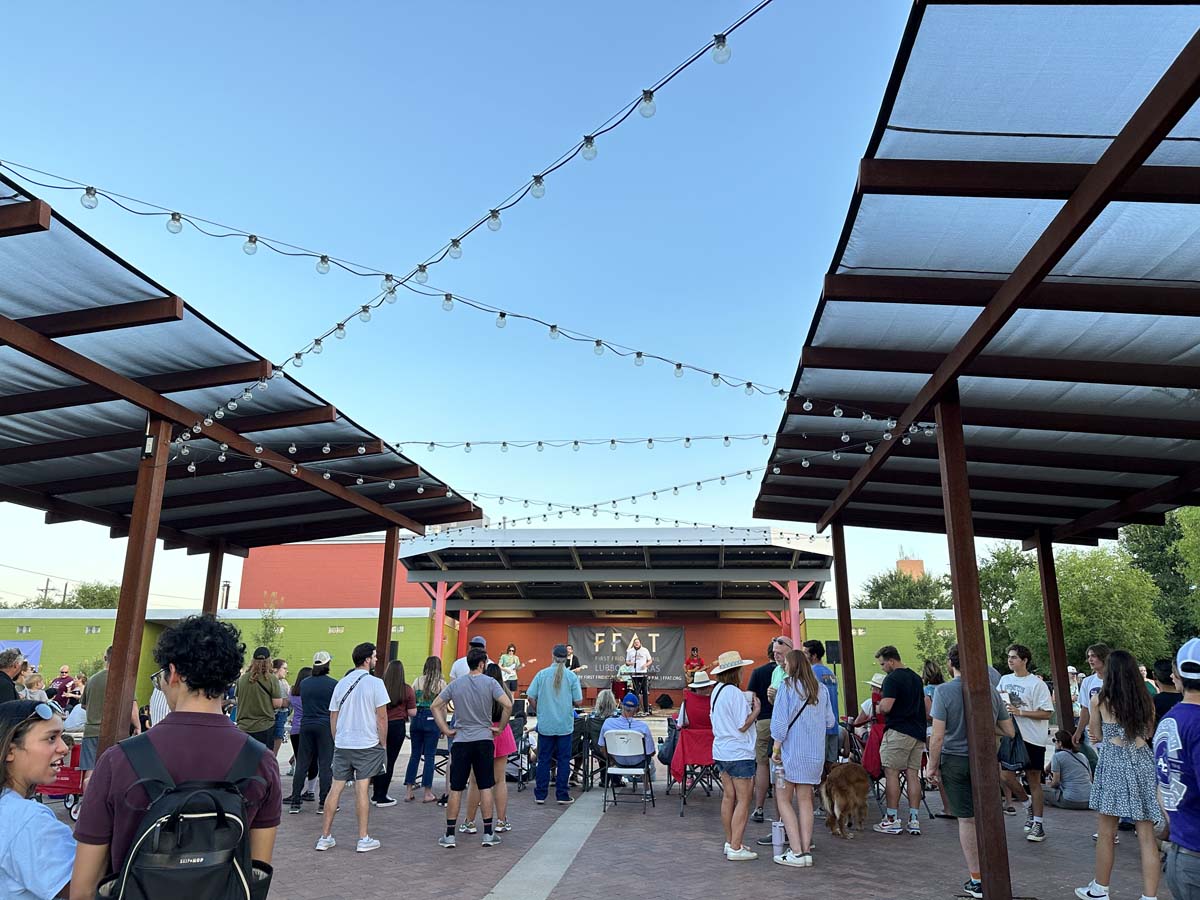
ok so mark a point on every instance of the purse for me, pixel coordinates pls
(1013, 755)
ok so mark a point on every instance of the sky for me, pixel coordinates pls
(377, 132)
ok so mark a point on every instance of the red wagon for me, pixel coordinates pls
(68, 785)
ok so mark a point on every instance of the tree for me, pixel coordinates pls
(87, 595)
(998, 573)
(1104, 597)
(267, 634)
(898, 590)
(933, 641)
(1170, 554)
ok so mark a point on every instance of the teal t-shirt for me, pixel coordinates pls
(555, 709)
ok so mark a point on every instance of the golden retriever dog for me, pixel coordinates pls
(844, 795)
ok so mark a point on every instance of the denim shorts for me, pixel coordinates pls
(737, 768)
(281, 717)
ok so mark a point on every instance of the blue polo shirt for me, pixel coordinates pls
(555, 709)
(825, 676)
(1177, 754)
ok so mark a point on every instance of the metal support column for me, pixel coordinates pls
(1054, 630)
(135, 584)
(972, 645)
(464, 622)
(845, 625)
(387, 596)
(212, 583)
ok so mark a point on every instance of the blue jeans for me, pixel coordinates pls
(424, 736)
(558, 748)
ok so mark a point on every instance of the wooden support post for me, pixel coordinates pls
(1054, 630)
(135, 586)
(845, 625)
(212, 583)
(464, 622)
(387, 597)
(972, 647)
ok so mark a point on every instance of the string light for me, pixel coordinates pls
(599, 348)
(88, 199)
(493, 220)
(455, 250)
(323, 265)
(448, 302)
(175, 223)
(501, 320)
(646, 107)
(251, 245)
(720, 50)
(422, 275)
(537, 190)
(588, 150)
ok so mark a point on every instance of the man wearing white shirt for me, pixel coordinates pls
(358, 720)
(1029, 704)
(641, 660)
(460, 667)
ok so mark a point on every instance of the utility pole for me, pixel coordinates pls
(45, 592)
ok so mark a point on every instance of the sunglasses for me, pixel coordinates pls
(156, 678)
(46, 711)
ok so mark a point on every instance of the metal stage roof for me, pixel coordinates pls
(91, 346)
(1025, 221)
(619, 570)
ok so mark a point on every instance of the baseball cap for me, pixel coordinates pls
(478, 641)
(560, 651)
(1187, 660)
(262, 653)
(631, 700)
(1071, 670)
(322, 658)
(15, 712)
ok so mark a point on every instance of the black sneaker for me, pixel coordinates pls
(765, 841)
(1037, 833)
(308, 795)
(294, 810)
(973, 888)
(757, 815)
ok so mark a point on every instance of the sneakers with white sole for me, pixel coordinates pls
(389, 801)
(367, 844)
(740, 855)
(798, 860)
(1092, 892)
(325, 842)
(490, 840)
(447, 841)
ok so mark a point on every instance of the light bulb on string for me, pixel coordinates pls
(251, 245)
(390, 296)
(208, 421)
(247, 396)
(906, 440)
(633, 500)
(722, 480)
(431, 446)
(749, 389)
(358, 480)
(845, 438)
(388, 283)
(589, 148)
(765, 440)
(391, 485)
(258, 448)
(869, 448)
(540, 447)
(326, 448)
(196, 428)
(891, 424)
(720, 50)
(326, 476)
(493, 220)
(192, 467)
(687, 443)
(716, 379)
(447, 302)
(675, 492)
(554, 332)
(805, 463)
(887, 435)
(678, 370)
(612, 444)
(699, 486)
(748, 475)
(726, 441)
(294, 469)
(467, 447)
(646, 106)
(574, 446)
(598, 349)
(317, 346)
(298, 360)
(291, 448)
(649, 443)
(89, 198)
(913, 429)
(455, 250)
(501, 320)
(340, 332)
(639, 359)
(504, 446)
(928, 431)
(537, 190)
(323, 265)
(220, 457)
(422, 274)
(175, 223)
(231, 405)
(807, 405)
(262, 384)
(364, 314)
(837, 411)
(219, 413)
(185, 450)
(836, 456)
(258, 464)
(775, 470)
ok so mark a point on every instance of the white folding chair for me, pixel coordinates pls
(627, 744)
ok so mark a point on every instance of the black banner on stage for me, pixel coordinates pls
(603, 651)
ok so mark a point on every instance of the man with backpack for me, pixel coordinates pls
(195, 762)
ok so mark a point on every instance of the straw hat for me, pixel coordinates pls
(701, 680)
(730, 659)
(876, 680)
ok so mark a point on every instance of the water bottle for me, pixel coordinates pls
(778, 838)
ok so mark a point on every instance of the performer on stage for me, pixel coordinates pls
(640, 659)
(693, 664)
(572, 660)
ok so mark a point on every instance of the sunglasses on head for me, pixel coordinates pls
(46, 711)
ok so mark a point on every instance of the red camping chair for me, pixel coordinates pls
(692, 764)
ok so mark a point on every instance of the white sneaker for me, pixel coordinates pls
(799, 860)
(367, 844)
(727, 848)
(1092, 892)
(740, 855)
(325, 842)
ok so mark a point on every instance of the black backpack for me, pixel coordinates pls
(194, 840)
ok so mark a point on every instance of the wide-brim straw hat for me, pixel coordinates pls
(876, 680)
(700, 679)
(730, 659)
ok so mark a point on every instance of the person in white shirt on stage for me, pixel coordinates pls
(640, 659)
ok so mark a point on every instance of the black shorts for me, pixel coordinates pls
(472, 756)
(1037, 757)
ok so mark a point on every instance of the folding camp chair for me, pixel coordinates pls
(628, 744)
(692, 765)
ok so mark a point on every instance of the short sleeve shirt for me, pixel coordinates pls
(193, 747)
(825, 676)
(37, 852)
(730, 706)
(472, 696)
(1089, 688)
(256, 712)
(639, 659)
(907, 714)
(355, 700)
(1029, 692)
(93, 702)
(1177, 753)
(948, 707)
(555, 709)
(761, 679)
(620, 723)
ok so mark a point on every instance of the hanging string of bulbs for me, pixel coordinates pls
(534, 187)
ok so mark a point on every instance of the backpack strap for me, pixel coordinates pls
(246, 763)
(147, 766)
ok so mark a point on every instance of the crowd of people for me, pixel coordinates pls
(1131, 753)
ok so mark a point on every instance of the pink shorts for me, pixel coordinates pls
(506, 744)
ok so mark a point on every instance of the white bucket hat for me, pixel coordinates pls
(701, 680)
(730, 659)
(876, 680)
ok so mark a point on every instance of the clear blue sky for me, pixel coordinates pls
(701, 234)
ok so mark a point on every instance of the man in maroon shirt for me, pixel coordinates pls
(200, 657)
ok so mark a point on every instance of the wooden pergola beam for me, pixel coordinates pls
(1023, 368)
(1162, 109)
(79, 366)
(105, 318)
(24, 218)
(339, 528)
(1008, 456)
(1034, 419)
(167, 383)
(1031, 180)
(1126, 510)
(1130, 299)
(323, 505)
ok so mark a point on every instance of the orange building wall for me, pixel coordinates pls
(913, 568)
(322, 576)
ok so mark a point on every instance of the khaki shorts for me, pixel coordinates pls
(763, 744)
(900, 751)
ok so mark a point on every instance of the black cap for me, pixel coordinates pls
(262, 653)
(14, 712)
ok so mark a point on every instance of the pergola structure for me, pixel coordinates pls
(604, 571)
(106, 371)
(1007, 340)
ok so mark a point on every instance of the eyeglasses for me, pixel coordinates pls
(156, 678)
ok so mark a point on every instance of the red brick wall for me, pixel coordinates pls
(317, 576)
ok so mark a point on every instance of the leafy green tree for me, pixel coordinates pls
(267, 633)
(998, 573)
(1170, 554)
(1105, 598)
(86, 595)
(897, 590)
(933, 640)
